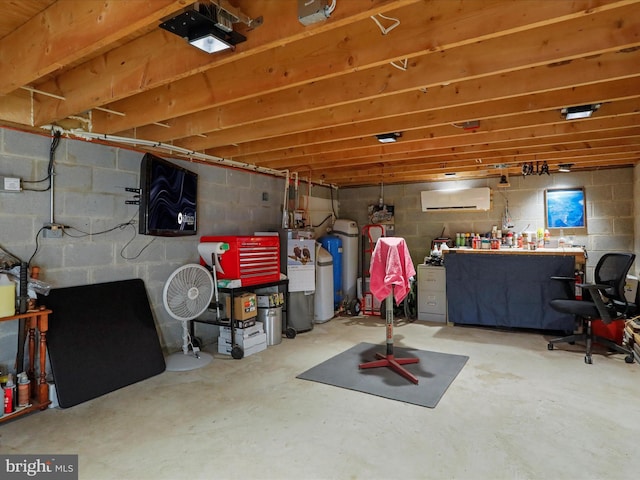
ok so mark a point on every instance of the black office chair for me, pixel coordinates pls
(604, 300)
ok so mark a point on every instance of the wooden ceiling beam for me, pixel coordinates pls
(619, 138)
(435, 172)
(552, 134)
(429, 168)
(69, 30)
(362, 134)
(448, 95)
(611, 65)
(314, 54)
(429, 175)
(126, 71)
(348, 51)
(16, 108)
(341, 151)
(429, 162)
(477, 60)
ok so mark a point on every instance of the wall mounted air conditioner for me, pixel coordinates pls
(456, 200)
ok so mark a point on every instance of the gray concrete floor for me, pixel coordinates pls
(516, 411)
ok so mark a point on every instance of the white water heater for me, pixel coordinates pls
(348, 232)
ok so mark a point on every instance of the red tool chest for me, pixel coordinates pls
(252, 259)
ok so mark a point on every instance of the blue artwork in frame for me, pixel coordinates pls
(566, 208)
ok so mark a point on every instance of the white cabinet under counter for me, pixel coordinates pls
(432, 293)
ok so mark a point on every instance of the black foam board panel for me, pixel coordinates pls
(102, 337)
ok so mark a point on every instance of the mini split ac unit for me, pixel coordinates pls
(456, 200)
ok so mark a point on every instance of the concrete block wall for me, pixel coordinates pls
(103, 244)
(611, 204)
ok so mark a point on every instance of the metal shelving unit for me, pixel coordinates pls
(237, 352)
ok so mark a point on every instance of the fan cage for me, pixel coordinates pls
(188, 292)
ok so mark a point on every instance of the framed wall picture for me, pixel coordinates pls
(566, 209)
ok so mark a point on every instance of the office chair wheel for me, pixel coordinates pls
(550, 346)
(588, 360)
(628, 358)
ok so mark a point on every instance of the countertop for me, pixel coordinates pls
(577, 252)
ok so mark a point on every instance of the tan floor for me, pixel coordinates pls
(516, 411)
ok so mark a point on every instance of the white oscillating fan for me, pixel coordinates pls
(186, 295)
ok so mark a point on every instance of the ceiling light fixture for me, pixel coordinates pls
(580, 111)
(207, 27)
(210, 41)
(389, 137)
(565, 167)
(504, 182)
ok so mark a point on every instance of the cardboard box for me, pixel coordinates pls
(631, 288)
(243, 332)
(271, 300)
(225, 348)
(245, 306)
(244, 343)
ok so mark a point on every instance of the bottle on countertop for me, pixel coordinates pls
(562, 242)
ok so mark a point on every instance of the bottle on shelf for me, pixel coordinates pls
(459, 239)
(9, 395)
(23, 390)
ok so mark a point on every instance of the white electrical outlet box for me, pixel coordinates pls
(311, 11)
(10, 184)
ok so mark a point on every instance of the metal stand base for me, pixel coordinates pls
(394, 364)
(389, 360)
(180, 362)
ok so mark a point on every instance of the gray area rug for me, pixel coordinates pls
(435, 372)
